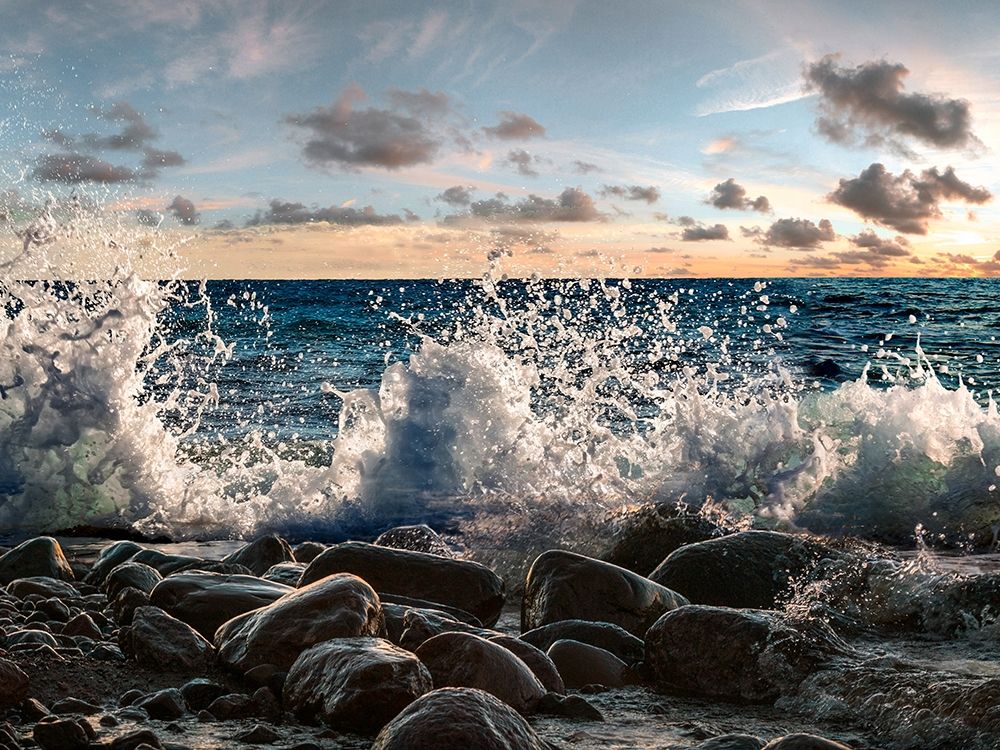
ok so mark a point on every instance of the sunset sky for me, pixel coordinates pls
(406, 139)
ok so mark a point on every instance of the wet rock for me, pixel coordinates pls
(354, 684)
(75, 706)
(287, 573)
(581, 664)
(131, 574)
(465, 660)
(163, 563)
(731, 742)
(452, 612)
(41, 556)
(107, 652)
(266, 704)
(32, 709)
(200, 692)
(750, 655)
(52, 733)
(32, 637)
(804, 742)
(564, 586)
(262, 554)
(54, 610)
(751, 570)
(126, 603)
(422, 624)
(260, 734)
(604, 635)
(83, 625)
(110, 558)
(458, 718)
(569, 707)
(232, 706)
(13, 684)
(339, 606)
(42, 586)
(163, 704)
(133, 740)
(307, 551)
(537, 660)
(418, 538)
(643, 538)
(159, 640)
(465, 585)
(207, 600)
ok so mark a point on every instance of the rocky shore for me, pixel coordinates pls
(679, 635)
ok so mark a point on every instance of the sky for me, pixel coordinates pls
(407, 139)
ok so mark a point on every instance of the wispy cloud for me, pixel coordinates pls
(764, 81)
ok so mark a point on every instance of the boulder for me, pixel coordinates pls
(307, 551)
(262, 554)
(164, 563)
(41, 556)
(565, 586)
(644, 537)
(747, 655)
(110, 558)
(83, 625)
(131, 574)
(731, 742)
(286, 573)
(466, 660)
(604, 635)
(419, 538)
(804, 742)
(354, 684)
(159, 640)
(42, 586)
(200, 692)
(206, 600)
(458, 718)
(13, 684)
(53, 733)
(126, 603)
(338, 606)
(462, 584)
(422, 624)
(581, 664)
(163, 704)
(751, 570)
(537, 660)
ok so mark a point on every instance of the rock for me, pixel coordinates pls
(458, 718)
(568, 707)
(163, 704)
(126, 603)
(75, 706)
(163, 563)
(32, 709)
(643, 538)
(339, 606)
(749, 570)
(564, 586)
(110, 558)
(266, 704)
(200, 692)
(260, 734)
(207, 600)
(354, 684)
(748, 655)
(232, 706)
(41, 556)
(262, 554)
(42, 586)
(731, 742)
(421, 624)
(159, 640)
(307, 551)
(52, 733)
(13, 684)
(133, 740)
(604, 635)
(131, 574)
(287, 573)
(804, 742)
(83, 625)
(54, 610)
(419, 538)
(537, 660)
(466, 660)
(451, 612)
(462, 584)
(32, 637)
(581, 664)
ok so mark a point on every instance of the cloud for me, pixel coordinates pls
(870, 98)
(184, 211)
(514, 126)
(906, 202)
(421, 103)
(649, 194)
(351, 138)
(76, 168)
(135, 134)
(585, 167)
(522, 160)
(154, 159)
(457, 195)
(571, 205)
(899, 247)
(730, 194)
(798, 234)
(695, 231)
(284, 212)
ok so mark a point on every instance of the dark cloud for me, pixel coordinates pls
(421, 103)
(870, 98)
(154, 159)
(730, 194)
(284, 212)
(457, 195)
(135, 134)
(906, 202)
(649, 194)
(76, 168)
(695, 231)
(585, 167)
(184, 211)
(410, 216)
(522, 160)
(571, 205)
(898, 247)
(798, 234)
(343, 135)
(514, 126)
